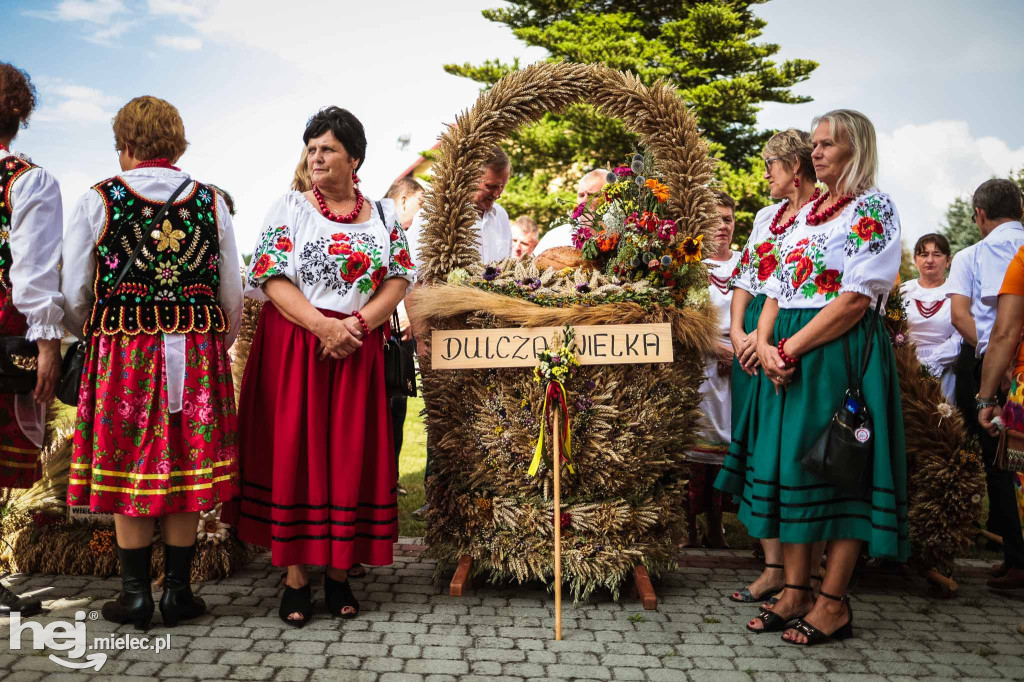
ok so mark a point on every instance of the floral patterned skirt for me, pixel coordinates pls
(1013, 417)
(317, 459)
(19, 457)
(131, 455)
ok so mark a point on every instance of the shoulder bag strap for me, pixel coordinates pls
(867, 353)
(138, 249)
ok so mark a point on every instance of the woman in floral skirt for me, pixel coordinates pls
(157, 431)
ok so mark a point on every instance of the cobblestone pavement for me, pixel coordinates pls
(411, 630)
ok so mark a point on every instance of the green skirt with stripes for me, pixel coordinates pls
(771, 432)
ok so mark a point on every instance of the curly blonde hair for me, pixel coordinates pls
(301, 181)
(793, 148)
(152, 128)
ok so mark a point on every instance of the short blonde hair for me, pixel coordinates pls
(527, 225)
(152, 128)
(793, 148)
(856, 130)
(301, 181)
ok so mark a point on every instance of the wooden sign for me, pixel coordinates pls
(606, 344)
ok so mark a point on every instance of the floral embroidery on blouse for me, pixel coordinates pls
(401, 261)
(873, 225)
(803, 270)
(759, 261)
(271, 256)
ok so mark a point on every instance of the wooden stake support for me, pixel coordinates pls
(557, 464)
(643, 588)
(461, 576)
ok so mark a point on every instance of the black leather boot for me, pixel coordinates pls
(178, 603)
(10, 602)
(135, 603)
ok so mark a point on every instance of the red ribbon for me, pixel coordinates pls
(157, 163)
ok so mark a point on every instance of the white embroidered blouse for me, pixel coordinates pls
(760, 259)
(336, 266)
(929, 317)
(860, 251)
(34, 237)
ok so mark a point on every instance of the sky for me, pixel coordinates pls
(938, 78)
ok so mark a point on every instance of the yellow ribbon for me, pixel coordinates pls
(535, 464)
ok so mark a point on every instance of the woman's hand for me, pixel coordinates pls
(48, 370)
(985, 417)
(339, 338)
(775, 369)
(745, 347)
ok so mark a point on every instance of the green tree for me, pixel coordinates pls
(959, 227)
(707, 48)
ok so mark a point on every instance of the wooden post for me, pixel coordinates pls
(557, 464)
(461, 576)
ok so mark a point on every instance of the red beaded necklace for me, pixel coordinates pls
(777, 229)
(157, 163)
(815, 218)
(4, 147)
(348, 217)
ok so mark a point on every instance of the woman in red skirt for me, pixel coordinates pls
(157, 431)
(30, 302)
(318, 469)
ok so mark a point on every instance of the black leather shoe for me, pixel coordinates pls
(178, 603)
(10, 603)
(135, 603)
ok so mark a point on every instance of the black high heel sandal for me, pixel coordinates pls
(814, 635)
(773, 622)
(747, 597)
(775, 600)
(339, 596)
(296, 601)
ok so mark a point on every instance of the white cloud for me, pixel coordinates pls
(186, 43)
(183, 9)
(66, 103)
(95, 11)
(925, 166)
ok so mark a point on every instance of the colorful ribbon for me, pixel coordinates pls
(556, 391)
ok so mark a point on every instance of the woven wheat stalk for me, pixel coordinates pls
(630, 424)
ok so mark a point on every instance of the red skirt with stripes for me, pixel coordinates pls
(317, 460)
(19, 457)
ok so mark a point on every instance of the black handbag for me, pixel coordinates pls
(18, 360)
(73, 365)
(399, 358)
(844, 453)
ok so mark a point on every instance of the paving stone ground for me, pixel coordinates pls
(411, 630)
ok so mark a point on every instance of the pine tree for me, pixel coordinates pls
(706, 48)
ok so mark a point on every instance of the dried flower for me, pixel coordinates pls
(491, 273)
(457, 276)
(899, 340)
(210, 528)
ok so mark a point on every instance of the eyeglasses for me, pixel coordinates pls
(770, 160)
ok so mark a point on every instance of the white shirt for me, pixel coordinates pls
(860, 251)
(553, 238)
(930, 322)
(961, 272)
(494, 243)
(34, 236)
(991, 259)
(78, 274)
(336, 266)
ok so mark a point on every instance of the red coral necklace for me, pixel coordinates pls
(929, 309)
(777, 229)
(348, 217)
(4, 147)
(157, 163)
(815, 218)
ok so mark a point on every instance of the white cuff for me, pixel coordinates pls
(44, 331)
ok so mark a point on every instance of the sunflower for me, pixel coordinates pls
(168, 238)
(691, 249)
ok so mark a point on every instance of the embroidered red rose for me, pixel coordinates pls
(828, 282)
(867, 226)
(263, 263)
(357, 264)
(745, 260)
(403, 259)
(378, 276)
(794, 256)
(394, 235)
(339, 249)
(767, 266)
(340, 237)
(283, 244)
(764, 248)
(803, 270)
(735, 273)
(803, 242)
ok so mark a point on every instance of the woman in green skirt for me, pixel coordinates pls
(790, 175)
(843, 255)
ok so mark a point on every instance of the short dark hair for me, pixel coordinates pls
(345, 127)
(498, 160)
(403, 187)
(999, 198)
(723, 199)
(17, 99)
(935, 239)
(228, 200)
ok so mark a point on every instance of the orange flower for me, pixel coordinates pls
(607, 241)
(659, 190)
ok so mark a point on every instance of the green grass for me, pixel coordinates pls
(411, 464)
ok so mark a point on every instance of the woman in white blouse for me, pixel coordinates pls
(30, 300)
(157, 431)
(928, 311)
(841, 258)
(318, 466)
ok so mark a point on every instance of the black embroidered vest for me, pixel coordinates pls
(173, 285)
(10, 169)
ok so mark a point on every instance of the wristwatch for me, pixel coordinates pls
(982, 403)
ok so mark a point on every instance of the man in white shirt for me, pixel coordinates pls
(590, 185)
(997, 213)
